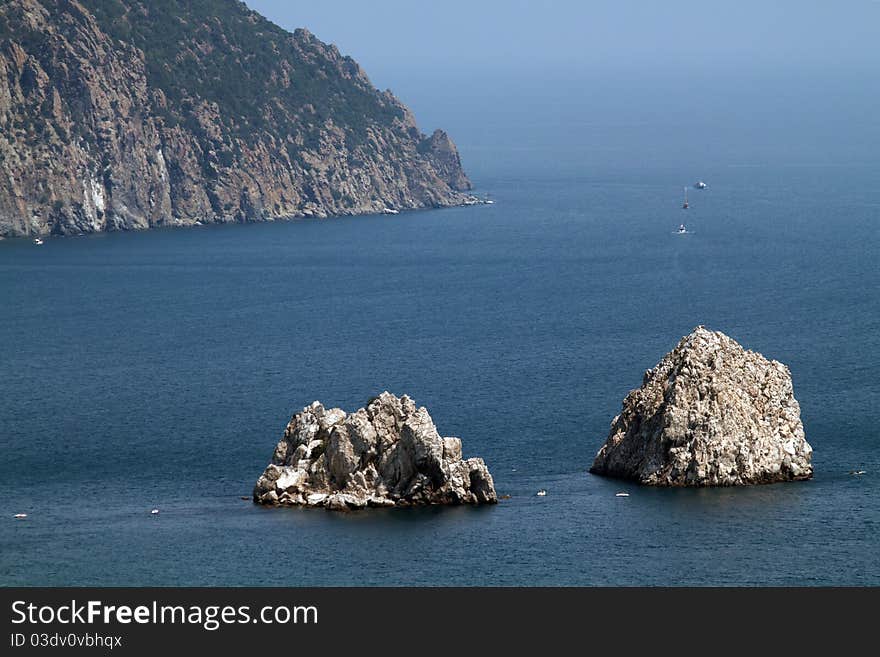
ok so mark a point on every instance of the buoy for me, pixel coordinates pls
(20, 516)
(541, 493)
(622, 495)
(154, 512)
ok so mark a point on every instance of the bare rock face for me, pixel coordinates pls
(128, 115)
(387, 454)
(709, 414)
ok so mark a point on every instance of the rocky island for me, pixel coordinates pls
(127, 114)
(387, 454)
(709, 414)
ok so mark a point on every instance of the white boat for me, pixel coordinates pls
(38, 241)
(682, 230)
(20, 516)
(390, 211)
(541, 493)
(700, 185)
(154, 512)
(621, 495)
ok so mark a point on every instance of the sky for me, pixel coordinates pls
(487, 36)
(747, 79)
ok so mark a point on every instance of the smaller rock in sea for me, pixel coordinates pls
(387, 454)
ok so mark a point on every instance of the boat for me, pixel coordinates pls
(541, 493)
(700, 185)
(621, 495)
(38, 241)
(685, 206)
(154, 512)
(20, 516)
(390, 211)
(682, 230)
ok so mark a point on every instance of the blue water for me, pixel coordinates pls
(160, 368)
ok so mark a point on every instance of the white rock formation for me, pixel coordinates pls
(709, 414)
(387, 454)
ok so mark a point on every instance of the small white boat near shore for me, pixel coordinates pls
(390, 211)
(38, 241)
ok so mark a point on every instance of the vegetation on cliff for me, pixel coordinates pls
(118, 114)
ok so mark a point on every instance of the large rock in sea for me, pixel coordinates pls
(387, 454)
(709, 414)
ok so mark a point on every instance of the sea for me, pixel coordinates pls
(158, 369)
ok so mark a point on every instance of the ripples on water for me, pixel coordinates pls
(159, 369)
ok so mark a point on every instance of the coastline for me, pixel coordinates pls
(466, 200)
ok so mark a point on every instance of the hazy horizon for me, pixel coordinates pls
(391, 36)
(686, 81)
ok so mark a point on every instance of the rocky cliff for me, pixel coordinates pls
(387, 454)
(709, 414)
(121, 114)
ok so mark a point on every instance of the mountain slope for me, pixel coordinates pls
(120, 114)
